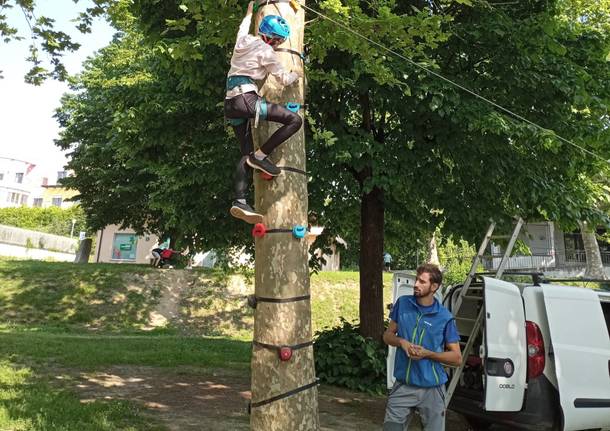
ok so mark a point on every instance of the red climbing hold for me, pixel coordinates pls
(266, 176)
(285, 354)
(259, 230)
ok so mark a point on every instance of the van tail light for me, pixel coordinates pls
(535, 350)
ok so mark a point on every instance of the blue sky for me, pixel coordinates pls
(26, 112)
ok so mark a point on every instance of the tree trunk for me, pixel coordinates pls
(84, 250)
(371, 264)
(595, 266)
(282, 270)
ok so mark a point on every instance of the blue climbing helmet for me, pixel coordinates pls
(275, 27)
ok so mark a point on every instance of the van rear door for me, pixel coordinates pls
(505, 344)
(581, 346)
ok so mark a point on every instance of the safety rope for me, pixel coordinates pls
(301, 55)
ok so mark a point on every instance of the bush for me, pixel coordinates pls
(345, 358)
(51, 220)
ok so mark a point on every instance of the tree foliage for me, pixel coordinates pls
(151, 149)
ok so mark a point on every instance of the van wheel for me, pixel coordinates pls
(477, 424)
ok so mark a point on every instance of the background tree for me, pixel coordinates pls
(396, 151)
(396, 141)
(148, 152)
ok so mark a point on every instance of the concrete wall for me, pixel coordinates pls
(32, 239)
(20, 252)
(104, 250)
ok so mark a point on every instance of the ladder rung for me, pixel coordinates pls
(466, 319)
(500, 236)
(473, 297)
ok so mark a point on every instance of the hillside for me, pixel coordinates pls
(104, 297)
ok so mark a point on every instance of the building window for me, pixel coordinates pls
(61, 174)
(37, 202)
(56, 202)
(124, 246)
(13, 198)
(24, 199)
(19, 177)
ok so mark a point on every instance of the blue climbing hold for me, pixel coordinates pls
(299, 231)
(294, 107)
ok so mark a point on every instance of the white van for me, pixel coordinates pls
(542, 361)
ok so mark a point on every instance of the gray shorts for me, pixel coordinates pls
(429, 402)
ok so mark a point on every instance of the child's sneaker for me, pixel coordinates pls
(263, 165)
(244, 212)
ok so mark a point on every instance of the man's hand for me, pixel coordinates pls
(250, 8)
(418, 352)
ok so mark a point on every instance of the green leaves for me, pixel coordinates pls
(344, 358)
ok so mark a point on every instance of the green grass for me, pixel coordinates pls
(35, 292)
(88, 317)
(88, 350)
(29, 402)
(64, 297)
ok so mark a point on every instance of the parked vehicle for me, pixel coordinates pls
(541, 360)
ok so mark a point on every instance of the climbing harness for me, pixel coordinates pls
(261, 111)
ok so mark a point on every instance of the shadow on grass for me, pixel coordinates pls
(28, 402)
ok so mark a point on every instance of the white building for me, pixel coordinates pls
(17, 182)
(23, 183)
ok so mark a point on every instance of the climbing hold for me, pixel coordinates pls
(259, 230)
(266, 176)
(299, 231)
(295, 5)
(252, 301)
(293, 106)
(285, 353)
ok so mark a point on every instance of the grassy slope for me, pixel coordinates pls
(88, 316)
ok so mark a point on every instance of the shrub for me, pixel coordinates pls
(344, 358)
(52, 220)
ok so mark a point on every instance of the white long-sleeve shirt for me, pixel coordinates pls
(254, 58)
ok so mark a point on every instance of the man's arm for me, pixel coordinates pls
(391, 339)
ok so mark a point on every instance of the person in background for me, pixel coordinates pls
(387, 260)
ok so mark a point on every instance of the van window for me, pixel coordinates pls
(606, 310)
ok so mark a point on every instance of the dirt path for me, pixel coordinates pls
(191, 399)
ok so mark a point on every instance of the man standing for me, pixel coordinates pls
(387, 261)
(426, 336)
